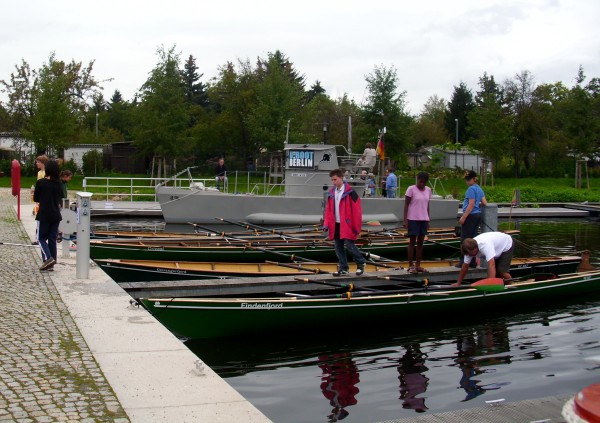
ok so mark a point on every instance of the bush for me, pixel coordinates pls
(92, 163)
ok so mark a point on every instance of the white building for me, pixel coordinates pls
(76, 152)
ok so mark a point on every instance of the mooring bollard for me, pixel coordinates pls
(84, 207)
(489, 218)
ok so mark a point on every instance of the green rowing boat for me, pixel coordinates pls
(239, 250)
(218, 317)
(123, 271)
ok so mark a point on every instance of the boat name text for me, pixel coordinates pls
(268, 306)
(301, 159)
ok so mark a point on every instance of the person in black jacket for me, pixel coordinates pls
(48, 193)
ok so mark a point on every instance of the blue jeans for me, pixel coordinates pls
(47, 234)
(391, 192)
(341, 245)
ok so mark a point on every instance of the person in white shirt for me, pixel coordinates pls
(368, 158)
(495, 247)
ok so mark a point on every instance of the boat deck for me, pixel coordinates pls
(278, 284)
(152, 209)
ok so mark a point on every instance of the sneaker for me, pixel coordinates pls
(341, 273)
(47, 264)
(50, 269)
(360, 269)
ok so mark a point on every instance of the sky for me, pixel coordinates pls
(433, 44)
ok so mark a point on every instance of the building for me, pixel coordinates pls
(437, 157)
(76, 152)
(124, 157)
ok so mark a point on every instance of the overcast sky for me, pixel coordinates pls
(433, 44)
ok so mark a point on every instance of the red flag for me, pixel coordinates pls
(380, 151)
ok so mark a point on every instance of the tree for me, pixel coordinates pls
(489, 123)
(48, 106)
(384, 107)
(526, 120)
(429, 128)
(459, 107)
(162, 113)
(195, 91)
(314, 91)
(279, 97)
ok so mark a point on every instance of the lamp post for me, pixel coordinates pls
(324, 132)
(456, 142)
(96, 125)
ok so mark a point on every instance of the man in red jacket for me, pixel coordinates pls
(343, 221)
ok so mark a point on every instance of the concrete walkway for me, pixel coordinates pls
(77, 350)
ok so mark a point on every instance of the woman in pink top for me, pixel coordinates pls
(416, 219)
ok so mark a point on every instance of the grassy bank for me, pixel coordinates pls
(533, 190)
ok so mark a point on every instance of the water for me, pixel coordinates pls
(375, 376)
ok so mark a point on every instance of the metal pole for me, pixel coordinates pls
(350, 134)
(84, 207)
(96, 125)
(456, 142)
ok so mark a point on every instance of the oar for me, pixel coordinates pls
(410, 291)
(247, 244)
(348, 287)
(272, 231)
(299, 267)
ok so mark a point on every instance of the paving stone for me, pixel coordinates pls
(43, 357)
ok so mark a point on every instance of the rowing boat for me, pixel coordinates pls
(218, 317)
(240, 250)
(122, 271)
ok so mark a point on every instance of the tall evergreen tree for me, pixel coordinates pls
(195, 90)
(459, 107)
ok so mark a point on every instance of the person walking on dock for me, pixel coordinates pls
(48, 193)
(495, 247)
(416, 219)
(343, 222)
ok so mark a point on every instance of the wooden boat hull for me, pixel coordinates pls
(122, 271)
(218, 317)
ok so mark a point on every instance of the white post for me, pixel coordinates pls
(84, 207)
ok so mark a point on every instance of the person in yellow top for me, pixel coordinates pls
(40, 162)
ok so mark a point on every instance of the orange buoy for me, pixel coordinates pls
(587, 403)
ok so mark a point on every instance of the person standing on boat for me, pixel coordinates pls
(368, 158)
(221, 174)
(495, 247)
(471, 217)
(48, 193)
(343, 222)
(416, 219)
(391, 184)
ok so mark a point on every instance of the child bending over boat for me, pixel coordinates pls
(495, 247)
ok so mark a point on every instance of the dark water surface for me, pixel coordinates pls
(420, 368)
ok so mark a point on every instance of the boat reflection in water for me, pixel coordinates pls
(430, 369)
